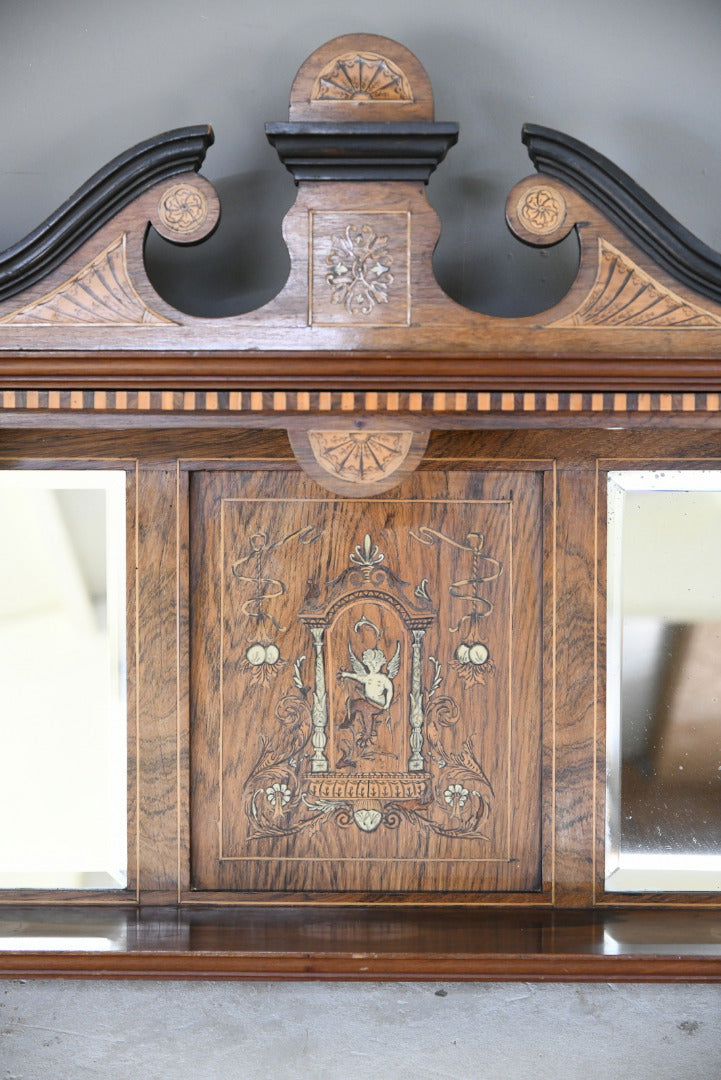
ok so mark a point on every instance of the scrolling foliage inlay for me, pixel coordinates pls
(380, 770)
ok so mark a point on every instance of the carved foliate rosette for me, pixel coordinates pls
(541, 209)
(360, 268)
(182, 209)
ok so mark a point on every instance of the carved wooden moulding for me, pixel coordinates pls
(361, 142)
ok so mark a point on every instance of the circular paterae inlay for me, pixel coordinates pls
(541, 210)
(182, 209)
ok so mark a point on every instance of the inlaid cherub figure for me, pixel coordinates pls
(377, 684)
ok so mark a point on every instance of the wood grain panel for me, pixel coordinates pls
(306, 773)
(183, 686)
(575, 689)
(158, 683)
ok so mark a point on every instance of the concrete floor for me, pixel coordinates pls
(57, 1030)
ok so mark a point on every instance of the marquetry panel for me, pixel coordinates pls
(366, 684)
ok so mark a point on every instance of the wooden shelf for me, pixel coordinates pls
(365, 943)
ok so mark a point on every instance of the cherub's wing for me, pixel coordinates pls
(395, 662)
(358, 667)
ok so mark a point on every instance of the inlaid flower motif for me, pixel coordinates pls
(183, 208)
(278, 794)
(369, 555)
(360, 269)
(541, 210)
(456, 796)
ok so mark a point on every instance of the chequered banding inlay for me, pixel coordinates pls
(255, 401)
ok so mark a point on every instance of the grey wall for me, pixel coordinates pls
(82, 80)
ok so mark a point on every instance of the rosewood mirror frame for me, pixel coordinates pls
(383, 409)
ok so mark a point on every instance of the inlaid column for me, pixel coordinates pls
(416, 762)
(319, 762)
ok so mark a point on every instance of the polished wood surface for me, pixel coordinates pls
(363, 944)
(159, 687)
(575, 688)
(414, 604)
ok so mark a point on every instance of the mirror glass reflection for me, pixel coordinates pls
(63, 717)
(664, 681)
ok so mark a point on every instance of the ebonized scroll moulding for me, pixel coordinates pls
(366, 591)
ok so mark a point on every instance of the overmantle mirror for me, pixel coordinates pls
(63, 723)
(445, 464)
(664, 681)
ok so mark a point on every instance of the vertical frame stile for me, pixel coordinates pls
(511, 629)
(182, 541)
(599, 667)
(158, 689)
(133, 682)
(548, 766)
(575, 700)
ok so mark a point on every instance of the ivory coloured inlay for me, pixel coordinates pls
(101, 293)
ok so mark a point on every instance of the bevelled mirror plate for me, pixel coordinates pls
(63, 722)
(663, 827)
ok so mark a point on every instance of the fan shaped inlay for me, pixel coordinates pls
(101, 293)
(361, 76)
(626, 296)
(360, 456)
